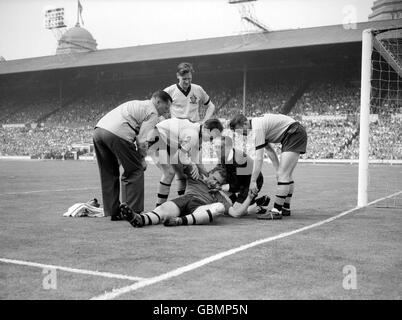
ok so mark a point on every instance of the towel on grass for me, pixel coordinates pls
(84, 210)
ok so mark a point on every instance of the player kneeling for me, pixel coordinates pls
(201, 204)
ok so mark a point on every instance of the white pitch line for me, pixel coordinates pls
(46, 191)
(179, 271)
(73, 270)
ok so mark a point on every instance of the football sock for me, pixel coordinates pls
(181, 186)
(204, 214)
(282, 191)
(150, 218)
(163, 192)
(286, 205)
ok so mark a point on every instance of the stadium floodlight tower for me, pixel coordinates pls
(250, 25)
(54, 21)
(248, 17)
(380, 108)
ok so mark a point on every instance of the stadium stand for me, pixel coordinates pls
(334, 136)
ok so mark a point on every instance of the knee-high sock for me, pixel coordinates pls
(282, 191)
(204, 214)
(150, 218)
(163, 192)
(288, 199)
(181, 186)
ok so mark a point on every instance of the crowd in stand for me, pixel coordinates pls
(330, 137)
(42, 142)
(259, 100)
(329, 98)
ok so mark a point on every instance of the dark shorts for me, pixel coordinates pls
(295, 139)
(188, 203)
(242, 194)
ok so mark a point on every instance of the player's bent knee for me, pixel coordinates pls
(167, 209)
(217, 208)
(167, 176)
(283, 176)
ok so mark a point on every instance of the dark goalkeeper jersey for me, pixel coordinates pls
(199, 189)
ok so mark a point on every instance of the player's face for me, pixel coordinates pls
(215, 180)
(163, 108)
(185, 80)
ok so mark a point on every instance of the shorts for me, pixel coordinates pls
(188, 203)
(295, 139)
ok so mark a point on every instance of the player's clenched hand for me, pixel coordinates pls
(253, 187)
(252, 194)
(194, 172)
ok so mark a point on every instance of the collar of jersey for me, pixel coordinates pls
(184, 92)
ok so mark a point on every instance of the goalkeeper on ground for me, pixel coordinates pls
(202, 202)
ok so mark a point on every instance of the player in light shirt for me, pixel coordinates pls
(187, 99)
(274, 128)
(179, 142)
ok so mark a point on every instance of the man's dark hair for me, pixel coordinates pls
(238, 119)
(184, 68)
(212, 124)
(163, 95)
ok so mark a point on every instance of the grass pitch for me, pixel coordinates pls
(305, 265)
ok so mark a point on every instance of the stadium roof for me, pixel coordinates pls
(293, 38)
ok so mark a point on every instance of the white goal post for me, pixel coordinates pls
(367, 44)
(380, 89)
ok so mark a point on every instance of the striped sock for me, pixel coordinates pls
(163, 192)
(204, 214)
(282, 191)
(150, 218)
(204, 217)
(181, 186)
(288, 199)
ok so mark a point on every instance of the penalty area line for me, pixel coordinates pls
(72, 270)
(198, 264)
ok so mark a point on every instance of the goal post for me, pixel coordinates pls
(367, 44)
(380, 95)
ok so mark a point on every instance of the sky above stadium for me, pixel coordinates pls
(123, 23)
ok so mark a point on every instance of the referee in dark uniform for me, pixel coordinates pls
(120, 138)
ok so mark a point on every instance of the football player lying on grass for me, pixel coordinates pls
(202, 202)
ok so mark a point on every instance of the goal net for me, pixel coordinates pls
(381, 114)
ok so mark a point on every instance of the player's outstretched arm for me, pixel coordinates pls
(210, 111)
(240, 209)
(201, 169)
(259, 158)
